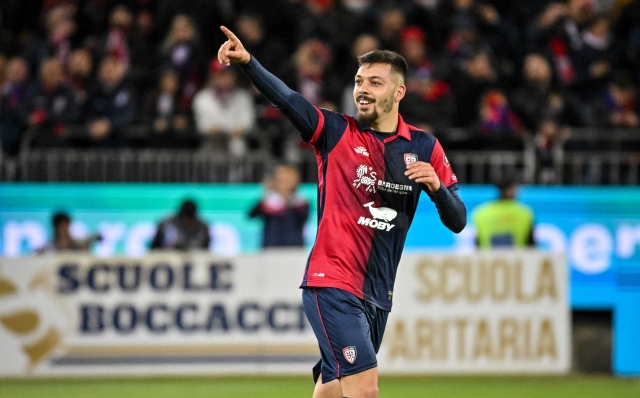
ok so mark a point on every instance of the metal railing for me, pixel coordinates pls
(126, 165)
(588, 157)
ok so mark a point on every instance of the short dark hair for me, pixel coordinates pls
(59, 218)
(397, 62)
(188, 209)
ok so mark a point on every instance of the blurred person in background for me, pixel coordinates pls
(539, 99)
(80, 77)
(594, 60)
(49, 106)
(182, 51)
(505, 222)
(391, 24)
(60, 27)
(224, 112)
(168, 117)
(429, 101)
(556, 31)
(329, 21)
(183, 231)
(627, 34)
(617, 106)
(63, 240)
(13, 94)
(469, 85)
(548, 135)
(499, 126)
(284, 212)
(112, 105)
(8, 43)
(123, 42)
(251, 30)
(309, 72)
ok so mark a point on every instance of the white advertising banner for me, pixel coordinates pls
(174, 313)
(488, 312)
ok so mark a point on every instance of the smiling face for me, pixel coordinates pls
(377, 93)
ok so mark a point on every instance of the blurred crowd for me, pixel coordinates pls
(143, 73)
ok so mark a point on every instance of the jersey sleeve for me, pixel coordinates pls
(441, 165)
(331, 127)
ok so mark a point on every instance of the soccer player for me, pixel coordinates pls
(371, 171)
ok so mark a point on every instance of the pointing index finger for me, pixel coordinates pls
(229, 34)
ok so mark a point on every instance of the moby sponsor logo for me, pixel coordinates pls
(381, 217)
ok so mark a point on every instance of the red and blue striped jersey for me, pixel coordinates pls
(365, 202)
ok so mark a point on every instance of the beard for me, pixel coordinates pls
(368, 118)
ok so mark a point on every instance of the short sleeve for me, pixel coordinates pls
(441, 165)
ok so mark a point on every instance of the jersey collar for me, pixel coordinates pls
(403, 130)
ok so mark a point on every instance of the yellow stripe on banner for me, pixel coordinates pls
(191, 350)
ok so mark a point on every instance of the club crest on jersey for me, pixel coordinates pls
(365, 177)
(350, 354)
(410, 158)
(362, 151)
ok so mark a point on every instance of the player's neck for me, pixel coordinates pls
(386, 124)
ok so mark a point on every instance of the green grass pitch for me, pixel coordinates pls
(280, 386)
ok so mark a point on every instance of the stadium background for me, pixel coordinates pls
(548, 89)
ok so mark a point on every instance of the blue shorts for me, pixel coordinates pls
(349, 331)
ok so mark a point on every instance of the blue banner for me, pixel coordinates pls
(597, 228)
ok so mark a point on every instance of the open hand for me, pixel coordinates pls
(232, 50)
(423, 173)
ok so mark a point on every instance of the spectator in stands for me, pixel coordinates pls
(112, 106)
(504, 223)
(594, 59)
(472, 22)
(270, 51)
(618, 106)
(60, 28)
(430, 102)
(182, 52)
(167, 116)
(499, 125)
(183, 231)
(329, 21)
(283, 211)
(556, 32)
(224, 112)
(537, 99)
(8, 44)
(49, 105)
(627, 31)
(80, 76)
(548, 135)
(391, 24)
(123, 43)
(310, 76)
(469, 85)
(13, 94)
(63, 240)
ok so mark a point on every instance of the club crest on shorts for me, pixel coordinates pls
(410, 158)
(350, 354)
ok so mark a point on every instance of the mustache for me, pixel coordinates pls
(365, 98)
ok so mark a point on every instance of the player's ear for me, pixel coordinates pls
(401, 90)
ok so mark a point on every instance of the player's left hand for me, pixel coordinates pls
(423, 173)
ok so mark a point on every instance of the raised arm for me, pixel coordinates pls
(304, 116)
